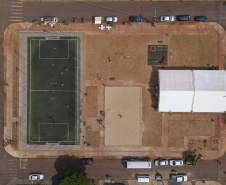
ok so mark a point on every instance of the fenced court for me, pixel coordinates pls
(53, 90)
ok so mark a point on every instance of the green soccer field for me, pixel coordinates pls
(53, 90)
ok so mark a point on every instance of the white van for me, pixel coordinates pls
(143, 178)
(137, 164)
(97, 19)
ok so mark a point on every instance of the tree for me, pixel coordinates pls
(35, 22)
(65, 23)
(72, 177)
(111, 23)
(192, 159)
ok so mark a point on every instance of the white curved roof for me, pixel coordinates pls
(192, 91)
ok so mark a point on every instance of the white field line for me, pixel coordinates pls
(78, 112)
(39, 124)
(68, 132)
(30, 95)
(53, 90)
(53, 123)
(49, 90)
(54, 58)
(68, 49)
(39, 49)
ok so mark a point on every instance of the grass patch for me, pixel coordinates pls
(14, 135)
(15, 74)
(53, 90)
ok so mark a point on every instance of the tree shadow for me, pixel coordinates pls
(64, 163)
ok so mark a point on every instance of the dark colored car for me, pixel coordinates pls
(183, 17)
(200, 18)
(136, 19)
(85, 161)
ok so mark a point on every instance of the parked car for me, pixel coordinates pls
(49, 20)
(167, 18)
(179, 177)
(36, 176)
(136, 19)
(200, 18)
(97, 19)
(111, 19)
(85, 161)
(176, 162)
(161, 162)
(183, 17)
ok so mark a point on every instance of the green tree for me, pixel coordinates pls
(192, 159)
(72, 177)
(35, 22)
(111, 23)
(65, 23)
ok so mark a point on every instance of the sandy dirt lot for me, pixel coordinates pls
(179, 129)
(91, 101)
(123, 110)
(192, 50)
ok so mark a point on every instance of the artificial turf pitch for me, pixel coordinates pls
(53, 90)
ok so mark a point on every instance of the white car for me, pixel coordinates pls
(167, 18)
(111, 19)
(36, 176)
(179, 178)
(161, 162)
(49, 20)
(176, 162)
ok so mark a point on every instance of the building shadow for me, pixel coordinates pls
(64, 163)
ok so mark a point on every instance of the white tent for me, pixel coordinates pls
(192, 91)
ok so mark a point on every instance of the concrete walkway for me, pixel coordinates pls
(102, 182)
(115, 0)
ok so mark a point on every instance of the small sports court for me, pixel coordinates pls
(123, 116)
(53, 90)
(157, 54)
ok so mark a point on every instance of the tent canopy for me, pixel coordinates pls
(192, 91)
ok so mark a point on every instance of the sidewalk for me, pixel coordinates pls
(115, 0)
(126, 182)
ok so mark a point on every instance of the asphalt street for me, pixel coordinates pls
(11, 12)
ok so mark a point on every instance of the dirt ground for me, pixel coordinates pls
(128, 54)
(179, 129)
(91, 102)
(192, 50)
(152, 122)
(92, 138)
(123, 116)
(129, 63)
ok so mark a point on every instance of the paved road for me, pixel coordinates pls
(11, 12)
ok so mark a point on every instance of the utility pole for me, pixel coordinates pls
(155, 14)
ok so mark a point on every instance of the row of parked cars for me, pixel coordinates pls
(182, 18)
(170, 18)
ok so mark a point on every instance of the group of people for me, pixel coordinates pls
(52, 118)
